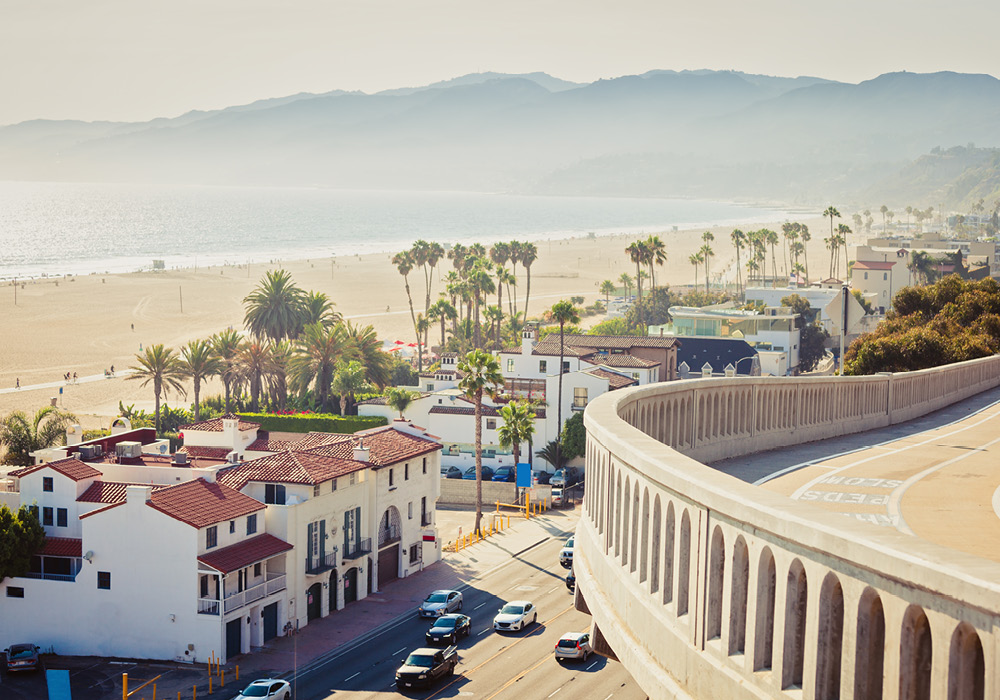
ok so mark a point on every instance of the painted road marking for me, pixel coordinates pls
(592, 665)
(554, 589)
(479, 606)
(555, 691)
(488, 629)
(859, 499)
(396, 652)
(354, 676)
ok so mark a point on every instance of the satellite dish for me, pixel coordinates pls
(163, 449)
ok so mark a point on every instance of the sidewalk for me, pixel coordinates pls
(364, 618)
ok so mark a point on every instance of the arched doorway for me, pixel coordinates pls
(350, 585)
(332, 588)
(314, 604)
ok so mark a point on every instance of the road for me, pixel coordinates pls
(493, 666)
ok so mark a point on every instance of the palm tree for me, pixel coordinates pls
(226, 346)
(399, 399)
(706, 254)
(274, 307)
(563, 312)
(317, 308)
(198, 362)
(481, 284)
(516, 251)
(277, 378)
(637, 253)
(256, 363)
(550, 453)
(656, 253)
(739, 240)
(23, 435)
(314, 359)
(482, 376)
(404, 265)
(493, 315)
(367, 348)
(771, 238)
(607, 289)
(518, 426)
(832, 212)
(627, 282)
(348, 380)
(442, 310)
(884, 209)
(805, 237)
(503, 277)
(696, 259)
(843, 231)
(529, 253)
(159, 365)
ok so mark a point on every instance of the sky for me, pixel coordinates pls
(133, 60)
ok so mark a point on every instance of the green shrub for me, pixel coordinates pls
(314, 422)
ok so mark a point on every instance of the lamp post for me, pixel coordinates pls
(735, 366)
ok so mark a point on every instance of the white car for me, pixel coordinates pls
(515, 615)
(268, 688)
(566, 554)
(440, 603)
(574, 645)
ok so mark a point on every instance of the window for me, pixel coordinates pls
(430, 386)
(425, 465)
(635, 376)
(274, 493)
(423, 512)
(61, 517)
(579, 396)
(390, 477)
(409, 510)
(232, 526)
(491, 423)
(354, 478)
(406, 472)
(333, 484)
(204, 586)
(414, 553)
(543, 366)
(565, 366)
(315, 490)
(510, 364)
(47, 483)
(885, 276)
(256, 570)
(251, 524)
(46, 516)
(211, 537)
(15, 592)
(866, 275)
(104, 580)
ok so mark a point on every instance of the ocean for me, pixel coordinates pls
(50, 229)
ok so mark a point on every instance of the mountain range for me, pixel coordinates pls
(718, 134)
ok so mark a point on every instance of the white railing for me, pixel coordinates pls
(705, 586)
(275, 584)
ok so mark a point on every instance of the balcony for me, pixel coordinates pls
(208, 606)
(388, 534)
(356, 550)
(426, 520)
(319, 565)
(237, 599)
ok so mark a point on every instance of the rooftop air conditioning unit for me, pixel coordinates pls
(129, 449)
(180, 458)
(233, 457)
(87, 452)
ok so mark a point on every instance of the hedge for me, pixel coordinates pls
(314, 422)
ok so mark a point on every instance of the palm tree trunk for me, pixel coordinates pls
(527, 293)
(479, 459)
(157, 388)
(559, 401)
(228, 393)
(499, 306)
(197, 402)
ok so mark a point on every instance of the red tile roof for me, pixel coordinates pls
(290, 467)
(111, 491)
(618, 342)
(69, 467)
(386, 445)
(62, 547)
(251, 551)
(874, 265)
(200, 503)
(620, 360)
(196, 451)
(615, 380)
(214, 425)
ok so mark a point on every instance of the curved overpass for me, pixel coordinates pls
(706, 587)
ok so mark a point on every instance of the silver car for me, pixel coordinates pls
(574, 645)
(566, 554)
(440, 603)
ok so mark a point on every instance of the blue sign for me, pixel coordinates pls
(523, 475)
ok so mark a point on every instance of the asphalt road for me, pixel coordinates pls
(503, 666)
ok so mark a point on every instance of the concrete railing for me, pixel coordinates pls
(707, 587)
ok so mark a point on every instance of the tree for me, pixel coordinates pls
(607, 289)
(482, 376)
(314, 359)
(574, 437)
(529, 253)
(550, 453)
(317, 308)
(518, 426)
(627, 282)
(442, 310)
(812, 346)
(638, 253)
(885, 210)
(706, 254)
(226, 345)
(739, 240)
(348, 380)
(274, 307)
(159, 365)
(696, 259)
(799, 305)
(21, 538)
(399, 399)
(843, 231)
(481, 284)
(804, 235)
(771, 238)
(656, 254)
(563, 312)
(256, 362)
(22, 435)
(404, 265)
(199, 362)
(367, 348)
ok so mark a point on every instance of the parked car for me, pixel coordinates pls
(440, 603)
(540, 476)
(267, 688)
(22, 657)
(424, 666)
(557, 497)
(470, 473)
(567, 476)
(571, 580)
(508, 474)
(574, 645)
(566, 554)
(448, 628)
(451, 472)
(515, 615)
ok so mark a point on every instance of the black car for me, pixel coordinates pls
(449, 628)
(541, 476)
(450, 472)
(571, 581)
(470, 473)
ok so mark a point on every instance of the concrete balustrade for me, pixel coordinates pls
(707, 587)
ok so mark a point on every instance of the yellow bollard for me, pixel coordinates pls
(178, 695)
(194, 692)
(154, 691)
(237, 673)
(210, 685)
(124, 686)
(222, 679)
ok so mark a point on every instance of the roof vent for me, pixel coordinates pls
(180, 458)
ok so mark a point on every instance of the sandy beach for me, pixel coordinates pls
(89, 323)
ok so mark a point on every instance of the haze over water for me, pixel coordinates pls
(70, 228)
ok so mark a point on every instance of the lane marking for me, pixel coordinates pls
(592, 665)
(396, 652)
(555, 691)
(518, 677)
(484, 631)
(554, 589)
(354, 676)
(479, 606)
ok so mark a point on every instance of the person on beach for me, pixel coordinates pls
(74, 377)
(17, 383)
(112, 370)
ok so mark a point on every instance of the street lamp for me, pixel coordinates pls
(731, 369)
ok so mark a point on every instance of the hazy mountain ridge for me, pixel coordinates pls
(698, 133)
(952, 179)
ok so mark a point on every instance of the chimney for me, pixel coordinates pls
(361, 453)
(74, 434)
(529, 337)
(137, 495)
(231, 431)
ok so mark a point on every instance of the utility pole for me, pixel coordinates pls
(843, 325)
